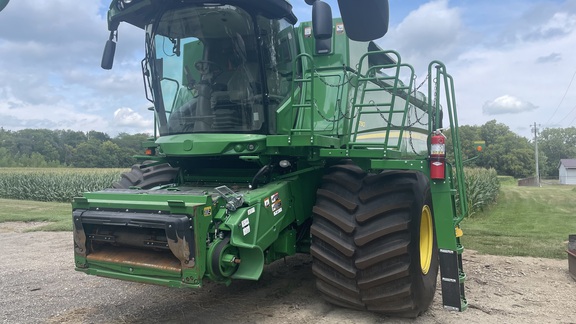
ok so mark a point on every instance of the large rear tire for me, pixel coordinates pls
(373, 241)
(147, 175)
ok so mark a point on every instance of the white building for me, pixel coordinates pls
(567, 171)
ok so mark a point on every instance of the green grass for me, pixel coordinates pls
(526, 221)
(58, 215)
(507, 181)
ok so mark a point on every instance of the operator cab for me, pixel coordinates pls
(207, 72)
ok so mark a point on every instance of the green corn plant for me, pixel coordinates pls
(58, 185)
(482, 188)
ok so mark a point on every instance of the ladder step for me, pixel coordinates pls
(452, 279)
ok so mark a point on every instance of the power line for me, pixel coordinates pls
(562, 100)
(573, 119)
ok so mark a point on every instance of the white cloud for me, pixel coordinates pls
(128, 118)
(552, 57)
(561, 23)
(432, 31)
(507, 104)
(535, 69)
(50, 54)
(17, 114)
(50, 73)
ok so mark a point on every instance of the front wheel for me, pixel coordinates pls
(373, 241)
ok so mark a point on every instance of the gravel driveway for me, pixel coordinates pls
(38, 285)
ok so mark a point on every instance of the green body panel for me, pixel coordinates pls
(155, 278)
(211, 144)
(262, 230)
(192, 206)
(443, 191)
(342, 104)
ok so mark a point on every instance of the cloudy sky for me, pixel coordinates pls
(513, 61)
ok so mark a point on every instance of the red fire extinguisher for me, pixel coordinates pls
(438, 156)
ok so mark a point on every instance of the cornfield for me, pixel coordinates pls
(62, 184)
(55, 184)
(482, 188)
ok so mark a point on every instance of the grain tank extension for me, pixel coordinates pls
(276, 138)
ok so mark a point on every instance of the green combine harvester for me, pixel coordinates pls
(276, 139)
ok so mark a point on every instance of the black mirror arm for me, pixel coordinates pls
(113, 35)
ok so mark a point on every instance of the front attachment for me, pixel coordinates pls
(158, 232)
(143, 237)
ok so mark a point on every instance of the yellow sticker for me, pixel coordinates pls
(208, 211)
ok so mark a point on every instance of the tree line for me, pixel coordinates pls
(67, 148)
(505, 151)
(513, 155)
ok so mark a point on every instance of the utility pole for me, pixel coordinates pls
(536, 154)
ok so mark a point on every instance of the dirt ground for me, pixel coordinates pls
(39, 285)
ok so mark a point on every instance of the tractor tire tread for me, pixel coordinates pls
(363, 245)
(147, 175)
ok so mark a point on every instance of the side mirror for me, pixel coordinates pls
(321, 20)
(108, 55)
(3, 4)
(365, 20)
(109, 51)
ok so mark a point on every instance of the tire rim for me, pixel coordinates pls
(426, 239)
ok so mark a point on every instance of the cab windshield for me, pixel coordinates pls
(206, 73)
